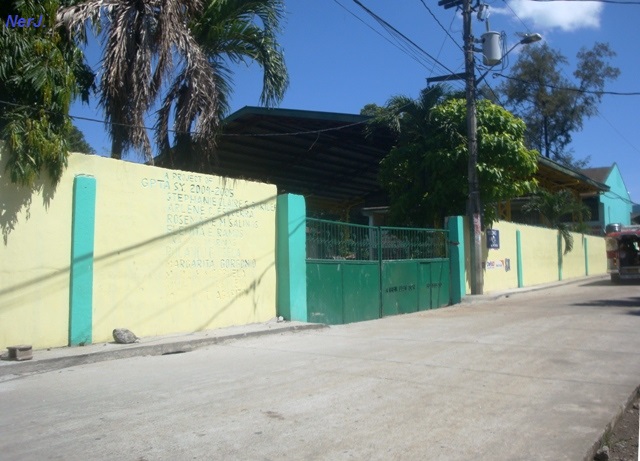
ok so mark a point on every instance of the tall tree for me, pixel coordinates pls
(181, 47)
(78, 143)
(552, 105)
(425, 173)
(41, 72)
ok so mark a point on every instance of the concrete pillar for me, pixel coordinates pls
(455, 226)
(291, 264)
(81, 273)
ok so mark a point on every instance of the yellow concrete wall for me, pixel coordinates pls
(174, 252)
(34, 262)
(539, 257)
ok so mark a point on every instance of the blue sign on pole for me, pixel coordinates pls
(493, 239)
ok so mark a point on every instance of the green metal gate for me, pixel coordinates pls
(357, 273)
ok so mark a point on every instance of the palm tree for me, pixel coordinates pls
(554, 207)
(181, 48)
(406, 172)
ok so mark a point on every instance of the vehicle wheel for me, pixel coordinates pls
(615, 278)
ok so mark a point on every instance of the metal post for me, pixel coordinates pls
(474, 206)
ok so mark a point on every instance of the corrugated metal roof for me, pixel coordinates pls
(327, 158)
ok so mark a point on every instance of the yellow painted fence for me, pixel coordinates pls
(172, 252)
(540, 261)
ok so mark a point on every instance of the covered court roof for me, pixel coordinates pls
(326, 157)
(554, 176)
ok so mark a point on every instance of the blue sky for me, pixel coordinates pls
(340, 59)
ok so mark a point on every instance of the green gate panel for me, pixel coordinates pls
(356, 273)
(324, 293)
(424, 286)
(399, 287)
(361, 291)
(440, 283)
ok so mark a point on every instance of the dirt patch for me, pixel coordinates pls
(622, 440)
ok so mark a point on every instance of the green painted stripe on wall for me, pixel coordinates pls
(82, 242)
(559, 257)
(586, 256)
(519, 259)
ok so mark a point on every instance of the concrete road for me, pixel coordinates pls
(535, 376)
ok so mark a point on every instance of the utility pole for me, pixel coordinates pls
(474, 205)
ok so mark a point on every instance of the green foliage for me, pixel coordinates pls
(426, 173)
(557, 208)
(537, 91)
(41, 71)
(77, 142)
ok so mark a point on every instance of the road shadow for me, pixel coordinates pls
(609, 283)
(633, 304)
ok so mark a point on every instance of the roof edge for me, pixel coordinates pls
(298, 113)
(573, 173)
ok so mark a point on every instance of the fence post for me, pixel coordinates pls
(291, 265)
(456, 254)
(81, 274)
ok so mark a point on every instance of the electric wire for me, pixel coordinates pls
(235, 135)
(599, 113)
(617, 196)
(576, 90)
(441, 26)
(380, 34)
(617, 2)
(395, 32)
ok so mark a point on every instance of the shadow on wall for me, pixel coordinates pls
(117, 253)
(252, 288)
(16, 197)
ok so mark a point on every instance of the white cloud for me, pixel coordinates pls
(567, 16)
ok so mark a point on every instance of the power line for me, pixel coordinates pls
(617, 2)
(441, 26)
(599, 113)
(392, 30)
(576, 90)
(378, 32)
(515, 14)
(619, 197)
(235, 135)
(618, 132)
(402, 40)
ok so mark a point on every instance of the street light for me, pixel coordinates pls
(474, 205)
(526, 39)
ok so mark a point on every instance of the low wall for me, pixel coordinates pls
(539, 257)
(124, 245)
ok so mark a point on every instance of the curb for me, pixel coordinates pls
(477, 299)
(141, 349)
